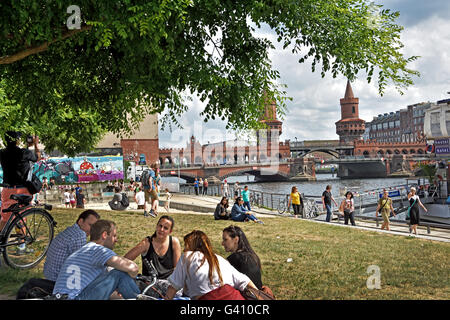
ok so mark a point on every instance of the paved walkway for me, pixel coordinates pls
(206, 205)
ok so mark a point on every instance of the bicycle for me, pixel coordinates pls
(312, 209)
(26, 237)
(255, 200)
(282, 205)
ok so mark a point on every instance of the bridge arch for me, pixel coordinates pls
(331, 152)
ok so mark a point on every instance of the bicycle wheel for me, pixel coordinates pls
(282, 206)
(27, 243)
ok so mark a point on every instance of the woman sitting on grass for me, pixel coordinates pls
(242, 257)
(162, 250)
(239, 213)
(221, 210)
(205, 275)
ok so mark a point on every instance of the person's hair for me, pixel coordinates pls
(293, 189)
(85, 214)
(167, 190)
(238, 199)
(198, 241)
(245, 187)
(328, 187)
(11, 138)
(117, 189)
(412, 189)
(243, 244)
(167, 218)
(226, 204)
(348, 192)
(154, 165)
(101, 226)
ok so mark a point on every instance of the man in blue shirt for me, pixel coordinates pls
(67, 242)
(63, 245)
(84, 275)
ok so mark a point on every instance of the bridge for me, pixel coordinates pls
(331, 147)
(266, 171)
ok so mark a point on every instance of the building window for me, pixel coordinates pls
(353, 109)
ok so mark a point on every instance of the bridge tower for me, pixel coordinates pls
(350, 127)
(268, 139)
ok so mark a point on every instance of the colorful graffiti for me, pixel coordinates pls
(79, 169)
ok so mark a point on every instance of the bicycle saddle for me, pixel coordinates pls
(23, 199)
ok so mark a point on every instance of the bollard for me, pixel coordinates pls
(376, 219)
(428, 230)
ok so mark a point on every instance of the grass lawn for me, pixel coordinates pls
(328, 262)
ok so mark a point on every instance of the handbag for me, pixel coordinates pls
(251, 293)
(32, 182)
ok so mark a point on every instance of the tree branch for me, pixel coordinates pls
(40, 48)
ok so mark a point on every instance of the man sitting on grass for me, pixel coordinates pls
(84, 275)
(63, 245)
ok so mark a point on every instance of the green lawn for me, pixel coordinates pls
(328, 262)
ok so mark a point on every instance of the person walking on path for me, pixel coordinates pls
(414, 203)
(81, 199)
(200, 186)
(84, 274)
(168, 198)
(239, 213)
(295, 199)
(225, 189)
(66, 198)
(73, 201)
(196, 186)
(205, 187)
(327, 197)
(385, 208)
(348, 208)
(246, 198)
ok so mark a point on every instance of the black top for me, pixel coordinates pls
(80, 198)
(15, 162)
(164, 265)
(327, 197)
(221, 212)
(244, 263)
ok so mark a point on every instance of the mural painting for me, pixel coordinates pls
(79, 169)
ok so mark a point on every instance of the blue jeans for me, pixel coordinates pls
(328, 219)
(247, 205)
(105, 284)
(242, 217)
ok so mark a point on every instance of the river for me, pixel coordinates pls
(313, 188)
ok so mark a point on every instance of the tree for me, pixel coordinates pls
(129, 58)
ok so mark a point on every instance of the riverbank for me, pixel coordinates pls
(301, 259)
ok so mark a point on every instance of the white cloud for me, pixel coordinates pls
(315, 107)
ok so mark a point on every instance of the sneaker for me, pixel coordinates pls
(146, 214)
(21, 252)
(259, 221)
(152, 213)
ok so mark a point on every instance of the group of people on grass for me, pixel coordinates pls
(78, 270)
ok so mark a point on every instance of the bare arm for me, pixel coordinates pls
(123, 264)
(141, 248)
(176, 250)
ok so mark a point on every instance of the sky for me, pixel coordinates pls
(315, 107)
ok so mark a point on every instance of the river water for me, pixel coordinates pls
(313, 188)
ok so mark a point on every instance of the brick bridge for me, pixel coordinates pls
(270, 171)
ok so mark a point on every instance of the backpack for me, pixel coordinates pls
(145, 177)
(125, 201)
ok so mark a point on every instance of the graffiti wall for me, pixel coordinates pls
(79, 169)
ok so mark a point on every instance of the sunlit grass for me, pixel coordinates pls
(328, 262)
